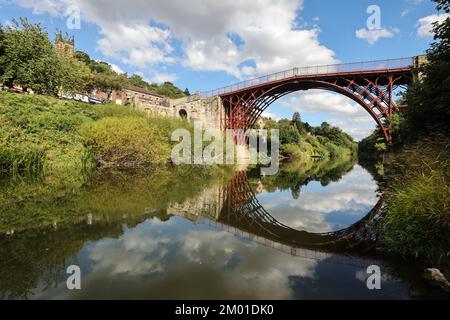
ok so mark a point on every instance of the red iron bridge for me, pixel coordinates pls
(370, 84)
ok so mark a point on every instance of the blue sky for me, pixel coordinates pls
(207, 45)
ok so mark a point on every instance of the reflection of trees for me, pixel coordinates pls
(293, 176)
(54, 200)
(48, 216)
(34, 256)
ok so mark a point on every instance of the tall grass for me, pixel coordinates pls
(417, 222)
(14, 161)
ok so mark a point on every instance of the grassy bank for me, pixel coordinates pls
(40, 133)
(417, 222)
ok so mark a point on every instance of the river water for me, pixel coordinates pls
(307, 233)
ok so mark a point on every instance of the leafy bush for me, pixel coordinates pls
(128, 141)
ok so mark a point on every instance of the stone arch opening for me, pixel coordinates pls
(183, 114)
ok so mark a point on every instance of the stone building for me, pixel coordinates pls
(209, 111)
(65, 45)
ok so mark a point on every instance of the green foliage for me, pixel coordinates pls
(73, 76)
(82, 57)
(369, 148)
(288, 133)
(107, 82)
(299, 139)
(126, 142)
(29, 58)
(429, 97)
(38, 132)
(418, 218)
(167, 89)
(137, 81)
(2, 51)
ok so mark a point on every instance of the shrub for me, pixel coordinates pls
(127, 141)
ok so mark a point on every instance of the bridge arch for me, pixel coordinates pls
(370, 85)
(242, 209)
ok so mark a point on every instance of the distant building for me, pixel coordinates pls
(261, 123)
(144, 96)
(64, 44)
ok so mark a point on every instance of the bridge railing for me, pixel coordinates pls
(316, 70)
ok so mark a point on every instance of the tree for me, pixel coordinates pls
(30, 60)
(83, 57)
(137, 81)
(168, 89)
(108, 83)
(2, 50)
(289, 134)
(297, 121)
(429, 97)
(101, 67)
(74, 76)
(296, 117)
(186, 92)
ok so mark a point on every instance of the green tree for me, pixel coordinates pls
(74, 76)
(101, 67)
(108, 83)
(186, 92)
(2, 50)
(83, 57)
(297, 121)
(169, 90)
(289, 134)
(30, 59)
(429, 97)
(138, 81)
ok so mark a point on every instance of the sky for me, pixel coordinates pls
(204, 45)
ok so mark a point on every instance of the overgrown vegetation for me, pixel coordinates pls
(299, 140)
(417, 220)
(38, 132)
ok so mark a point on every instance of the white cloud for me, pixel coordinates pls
(372, 36)
(271, 115)
(336, 109)
(116, 68)
(320, 101)
(411, 6)
(140, 33)
(163, 77)
(425, 24)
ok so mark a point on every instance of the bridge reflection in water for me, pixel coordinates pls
(235, 209)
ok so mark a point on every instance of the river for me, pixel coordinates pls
(309, 232)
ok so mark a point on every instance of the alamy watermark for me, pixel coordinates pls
(73, 15)
(374, 280)
(74, 280)
(210, 147)
(374, 20)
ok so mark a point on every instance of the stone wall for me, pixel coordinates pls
(207, 111)
(209, 204)
(194, 108)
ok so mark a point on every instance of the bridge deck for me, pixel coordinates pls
(357, 68)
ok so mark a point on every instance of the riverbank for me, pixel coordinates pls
(39, 133)
(417, 189)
